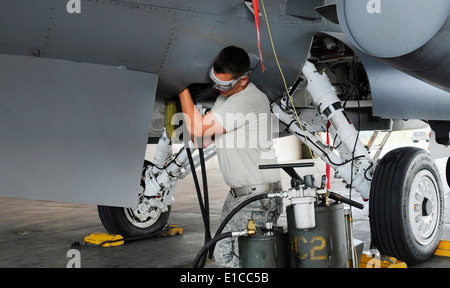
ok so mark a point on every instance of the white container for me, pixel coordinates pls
(304, 212)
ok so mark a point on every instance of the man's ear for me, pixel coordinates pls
(245, 80)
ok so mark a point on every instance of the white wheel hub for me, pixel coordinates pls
(145, 215)
(423, 207)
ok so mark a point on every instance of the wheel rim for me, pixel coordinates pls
(424, 207)
(144, 215)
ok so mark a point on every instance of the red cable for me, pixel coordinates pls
(256, 12)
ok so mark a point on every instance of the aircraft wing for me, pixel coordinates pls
(68, 129)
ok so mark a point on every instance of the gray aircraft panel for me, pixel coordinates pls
(397, 95)
(412, 36)
(69, 129)
(391, 28)
(176, 40)
(400, 96)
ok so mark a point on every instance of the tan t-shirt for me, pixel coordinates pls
(247, 142)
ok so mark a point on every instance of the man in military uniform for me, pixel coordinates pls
(240, 124)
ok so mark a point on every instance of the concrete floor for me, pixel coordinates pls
(40, 233)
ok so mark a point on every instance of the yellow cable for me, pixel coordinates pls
(287, 89)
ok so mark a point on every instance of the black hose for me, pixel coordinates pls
(204, 207)
(194, 176)
(200, 254)
(350, 202)
(205, 194)
(232, 213)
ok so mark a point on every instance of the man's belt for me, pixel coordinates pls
(260, 188)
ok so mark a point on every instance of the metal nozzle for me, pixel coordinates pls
(251, 227)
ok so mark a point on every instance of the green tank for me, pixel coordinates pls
(324, 246)
(268, 248)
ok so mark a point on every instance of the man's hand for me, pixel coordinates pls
(204, 127)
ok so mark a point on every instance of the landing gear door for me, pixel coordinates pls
(73, 132)
(438, 151)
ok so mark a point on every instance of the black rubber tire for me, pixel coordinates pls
(115, 222)
(391, 231)
(447, 172)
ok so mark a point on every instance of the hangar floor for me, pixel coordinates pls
(40, 233)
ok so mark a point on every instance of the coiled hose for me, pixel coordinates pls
(210, 245)
(212, 242)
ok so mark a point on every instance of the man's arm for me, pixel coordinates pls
(199, 126)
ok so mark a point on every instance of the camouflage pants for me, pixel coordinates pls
(226, 253)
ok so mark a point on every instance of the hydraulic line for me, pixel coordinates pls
(205, 192)
(204, 206)
(196, 183)
(212, 242)
(340, 198)
(232, 213)
(239, 207)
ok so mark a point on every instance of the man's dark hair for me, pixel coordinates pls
(232, 60)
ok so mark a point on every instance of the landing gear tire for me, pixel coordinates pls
(447, 172)
(134, 222)
(130, 223)
(406, 205)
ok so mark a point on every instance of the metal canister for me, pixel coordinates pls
(268, 248)
(324, 246)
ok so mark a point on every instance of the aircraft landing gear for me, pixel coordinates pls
(158, 182)
(130, 223)
(406, 205)
(147, 218)
(406, 195)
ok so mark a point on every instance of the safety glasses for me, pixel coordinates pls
(223, 85)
